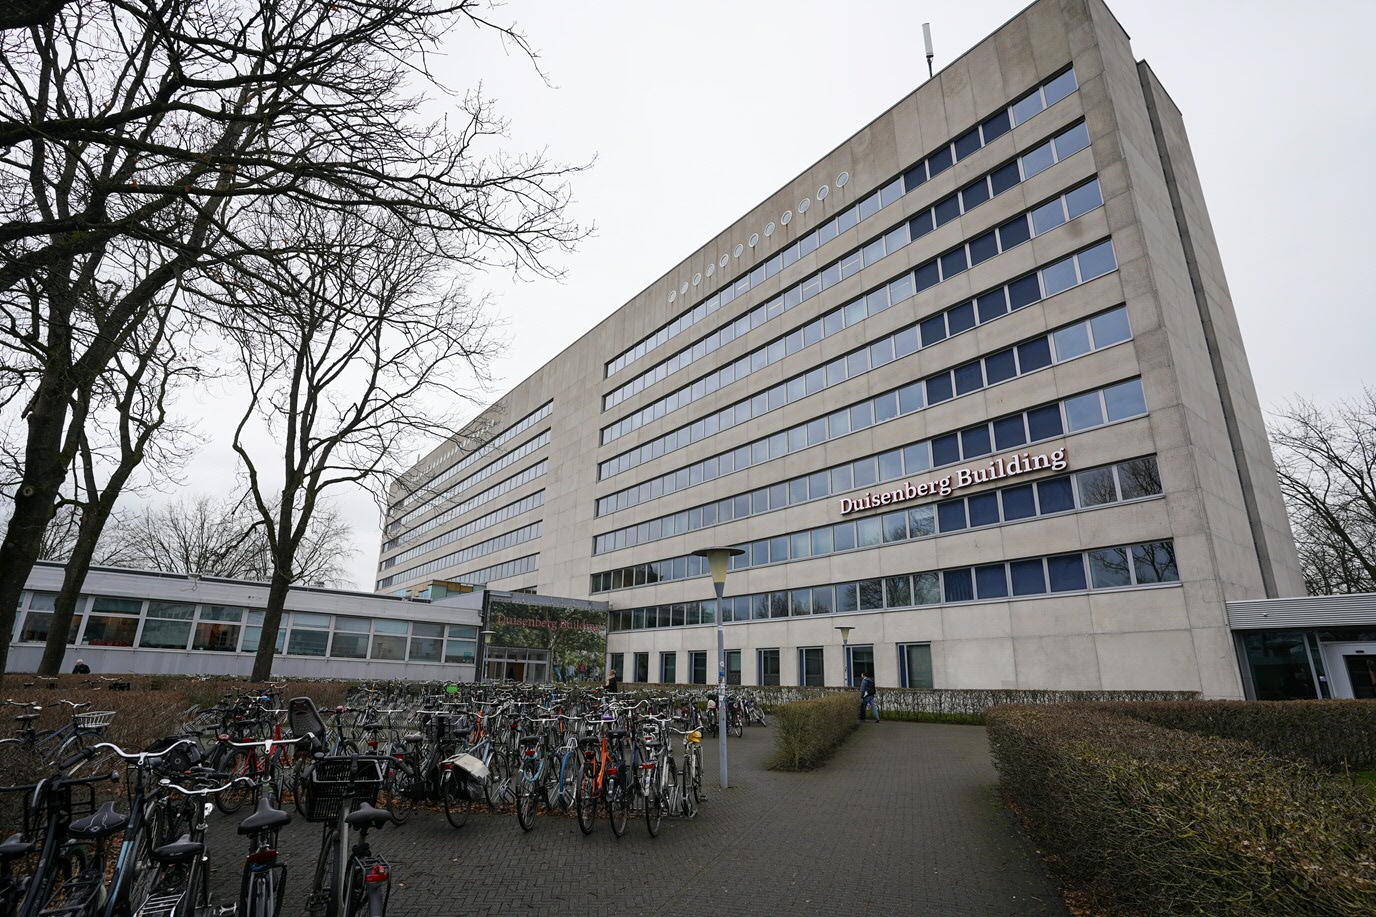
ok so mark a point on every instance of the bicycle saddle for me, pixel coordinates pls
(263, 818)
(104, 822)
(372, 725)
(413, 737)
(530, 740)
(366, 816)
(617, 733)
(15, 847)
(179, 851)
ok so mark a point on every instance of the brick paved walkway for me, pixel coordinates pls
(902, 821)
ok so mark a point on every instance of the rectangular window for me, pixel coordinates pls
(1154, 562)
(861, 660)
(349, 645)
(668, 668)
(697, 665)
(214, 636)
(915, 665)
(768, 666)
(733, 667)
(1108, 568)
(642, 668)
(810, 674)
(618, 664)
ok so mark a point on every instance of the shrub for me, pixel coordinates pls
(806, 732)
(1145, 819)
(1332, 734)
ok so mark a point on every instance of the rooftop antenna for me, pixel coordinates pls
(927, 40)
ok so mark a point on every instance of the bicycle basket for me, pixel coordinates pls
(94, 719)
(331, 780)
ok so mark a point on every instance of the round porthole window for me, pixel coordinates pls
(711, 269)
(842, 179)
(697, 279)
(787, 217)
(726, 260)
(739, 249)
(822, 193)
(753, 240)
(683, 288)
(804, 204)
(673, 295)
(769, 228)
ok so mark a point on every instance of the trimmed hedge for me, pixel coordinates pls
(806, 732)
(1143, 819)
(1335, 735)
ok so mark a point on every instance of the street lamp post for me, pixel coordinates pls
(486, 636)
(718, 560)
(845, 630)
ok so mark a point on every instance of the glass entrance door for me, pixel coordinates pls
(1361, 673)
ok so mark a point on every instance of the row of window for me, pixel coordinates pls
(496, 442)
(1132, 480)
(1075, 413)
(527, 448)
(1016, 231)
(914, 665)
(1009, 175)
(1064, 274)
(1019, 112)
(510, 511)
(501, 487)
(111, 622)
(1121, 566)
(528, 564)
(481, 549)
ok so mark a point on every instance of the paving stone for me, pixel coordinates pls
(902, 820)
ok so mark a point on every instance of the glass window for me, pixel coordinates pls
(898, 591)
(1110, 327)
(810, 667)
(1055, 496)
(1060, 87)
(230, 613)
(800, 602)
(927, 275)
(1044, 423)
(1072, 341)
(1038, 160)
(916, 458)
(1029, 577)
(821, 541)
(984, 509)
(933, 330)
(953, 263)
(1024, 291)
(991, 581)
(1010, 432)
(842, 479)
(107, 630)
(1083, 199)
(921, 521)
(1109, 568)
(939, 388)
(926, 589)
(1154, 562)
(1018, 503)
(847, 597)
(1034, 355)
(224, 638)
(910, 398)
(345, 645)
(1096, 487)
(870, 532)
(389, 647)
(308, 642)
(768, 662)
(916, 663)
(1097, 261)
(974, 441)
(984, 247)
(1125, 400)
(1083, 411)
(890, 465)
(822, 600)
(946, 449)
(1047, 217)
(995, 126)
(1059, 276)
(951, 515)
(895, 527)
(1067, 572)
(1139, 478)
(116, 606)
(871, 594)
(974, 195)
(1072, 141)
(969, 378)
(1027, 106)
(967, 143)
(958, 585)
(166, 634)
(947, 209)
(1001, 366)
(939, 161)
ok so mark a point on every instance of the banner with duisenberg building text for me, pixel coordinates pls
(575, 638)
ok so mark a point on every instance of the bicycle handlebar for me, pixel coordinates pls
(202, 791)
(140, 756)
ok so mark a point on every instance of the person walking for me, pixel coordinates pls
(867, 697)
(613, 682)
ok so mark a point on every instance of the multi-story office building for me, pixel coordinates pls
(971, 385)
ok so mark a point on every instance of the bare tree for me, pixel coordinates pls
(212, 536)
(1327, 464)
(136, 136)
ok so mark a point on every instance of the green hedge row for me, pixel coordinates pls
(806, 731)
(1143, 819)
(1332, 734)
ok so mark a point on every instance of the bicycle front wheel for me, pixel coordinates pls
(527, 798)
(654, 801)
(586, 801)
(399, 792)
(241, 763)
(261, 893)
(454, 792)
(618, 804)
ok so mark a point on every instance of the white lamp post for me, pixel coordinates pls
(486, 636)
(845, 630)
(718, 559)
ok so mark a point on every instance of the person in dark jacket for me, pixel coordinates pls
(867, 697)
(81, 668)
(613, 682)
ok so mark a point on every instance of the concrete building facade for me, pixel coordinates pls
(972, 385)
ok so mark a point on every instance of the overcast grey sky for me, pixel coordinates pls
(696, 112)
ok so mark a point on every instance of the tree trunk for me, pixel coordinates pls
(35, 502)
(272, 621)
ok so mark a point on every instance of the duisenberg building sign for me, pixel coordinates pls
(1005, 466)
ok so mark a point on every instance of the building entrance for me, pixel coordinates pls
(1352, 668)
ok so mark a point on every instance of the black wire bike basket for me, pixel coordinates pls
(330, 781)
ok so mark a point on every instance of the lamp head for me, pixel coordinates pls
(487, 634)
(845, 630)
(717, 561)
